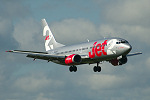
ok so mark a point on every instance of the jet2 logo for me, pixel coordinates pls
(47, 37)
(47, 34)
(98, 49)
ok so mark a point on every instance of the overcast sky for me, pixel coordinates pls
(73, 21)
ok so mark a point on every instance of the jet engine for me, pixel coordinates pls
(119, 61)
(73, 59)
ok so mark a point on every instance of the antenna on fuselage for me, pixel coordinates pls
(88, 40)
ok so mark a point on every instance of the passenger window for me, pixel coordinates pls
(84, 48)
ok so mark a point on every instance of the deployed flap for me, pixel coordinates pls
(45, 57)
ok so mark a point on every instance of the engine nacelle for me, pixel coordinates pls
(73, 59)
(121, 61)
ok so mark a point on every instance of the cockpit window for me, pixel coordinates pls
(124, 41)
(121, 41)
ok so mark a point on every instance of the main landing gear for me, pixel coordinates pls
(97, 68)
(73, 68)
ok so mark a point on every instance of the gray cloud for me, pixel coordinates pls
(28, 33)
(135, 12)
(11, 12)
(13, 9)
(36, 82)
(74, 30)
(134, 31)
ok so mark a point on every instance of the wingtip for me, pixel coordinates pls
(43, 19)
(9, 51)
(139, 52)
(44, 23)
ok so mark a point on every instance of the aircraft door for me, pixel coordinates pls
(81, 50)
(110, 50)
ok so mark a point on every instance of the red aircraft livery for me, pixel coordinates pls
(98, 50)
(47, 37)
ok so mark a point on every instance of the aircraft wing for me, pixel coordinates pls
(43, 55)
(38, 55)
(26, 52)
(133, 54)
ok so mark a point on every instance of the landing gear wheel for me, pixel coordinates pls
(72, 68)
(75, 68)
(97, 68)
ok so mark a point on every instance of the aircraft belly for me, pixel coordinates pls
(98, 59)
(87, 60)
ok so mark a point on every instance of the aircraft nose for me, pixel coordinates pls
(128, 48)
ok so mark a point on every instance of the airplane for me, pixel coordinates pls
(112, 50)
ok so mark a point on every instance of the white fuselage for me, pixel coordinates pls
(114, 50)
(95, 51)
